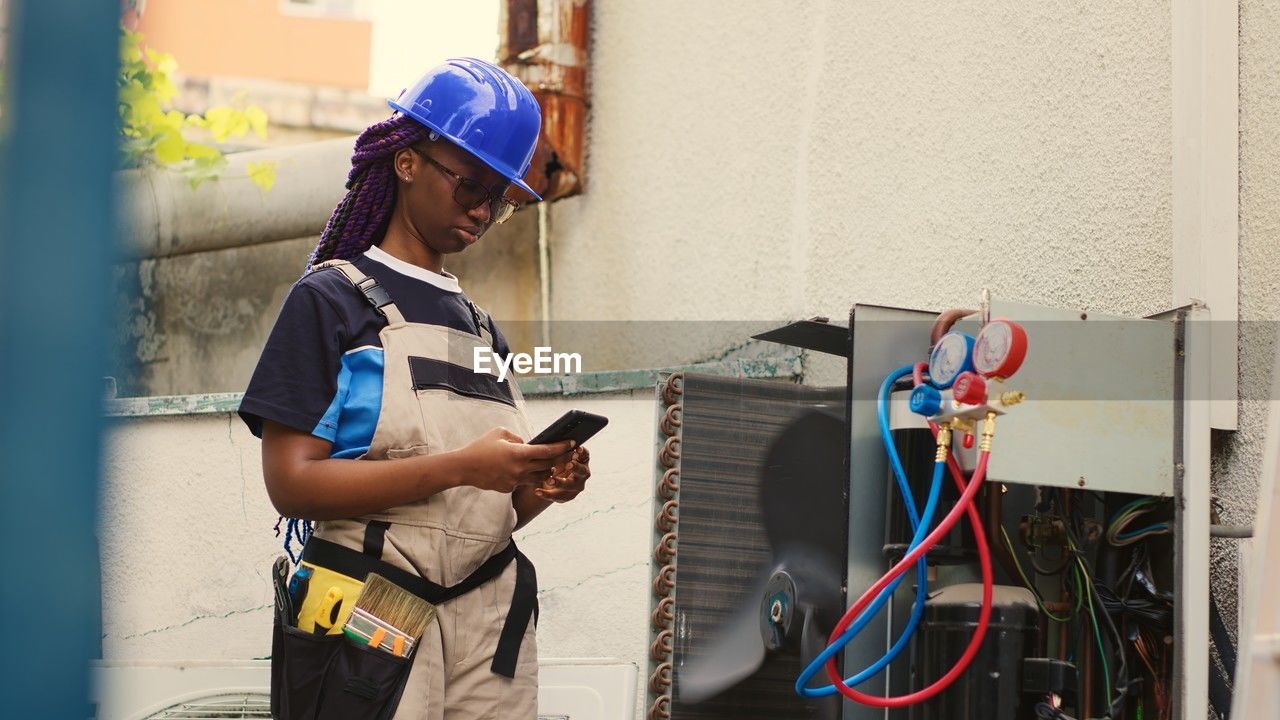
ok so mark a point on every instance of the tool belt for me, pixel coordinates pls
(329, 677)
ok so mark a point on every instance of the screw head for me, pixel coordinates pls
(1080, 482)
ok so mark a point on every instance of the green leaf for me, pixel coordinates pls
(171, 120)
(257, 120)
(220, 122)
(171, 149)
(196, 151)
(263, 174)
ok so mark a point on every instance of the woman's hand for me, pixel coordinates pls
(568, 478)
(500, 460)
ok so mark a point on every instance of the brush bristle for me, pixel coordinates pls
(395, 606)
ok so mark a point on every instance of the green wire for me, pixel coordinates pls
(1013, 554)
(1097, 634)
(1027, 582)
(1079, 590)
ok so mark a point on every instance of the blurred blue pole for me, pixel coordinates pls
(57, 153)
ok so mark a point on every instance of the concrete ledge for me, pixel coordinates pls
(785, 364)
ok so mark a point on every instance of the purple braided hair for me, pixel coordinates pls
(360, 218)
(362, 215)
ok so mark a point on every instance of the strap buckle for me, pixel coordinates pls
(375, 294)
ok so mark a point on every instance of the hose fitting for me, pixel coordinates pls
(944, 442)
(988, 432)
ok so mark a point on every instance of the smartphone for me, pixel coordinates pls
(576, 425)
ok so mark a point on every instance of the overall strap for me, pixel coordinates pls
(377, 295)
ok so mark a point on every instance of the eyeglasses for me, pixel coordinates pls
(470, 194)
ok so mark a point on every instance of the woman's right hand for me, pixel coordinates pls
(501, 460)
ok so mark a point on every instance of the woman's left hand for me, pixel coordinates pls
(567, 479)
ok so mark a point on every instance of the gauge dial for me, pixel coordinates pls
(950, 357)
(1000, 349)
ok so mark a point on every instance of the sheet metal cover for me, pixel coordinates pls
(815, 334)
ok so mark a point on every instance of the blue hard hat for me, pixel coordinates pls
(480, 108)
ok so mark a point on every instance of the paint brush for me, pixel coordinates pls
(391, 607)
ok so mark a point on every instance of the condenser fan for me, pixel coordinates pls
(798, 596)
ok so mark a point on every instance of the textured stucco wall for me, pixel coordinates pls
(187, 543)
(822, 152)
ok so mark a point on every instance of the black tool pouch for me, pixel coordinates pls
(331, 677)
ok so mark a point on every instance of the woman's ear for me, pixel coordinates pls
(403, 165)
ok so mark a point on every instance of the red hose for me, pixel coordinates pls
(964, 504)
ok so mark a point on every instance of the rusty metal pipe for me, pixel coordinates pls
(544, 43)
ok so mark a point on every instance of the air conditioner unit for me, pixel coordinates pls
(151, 690)
(573, 689)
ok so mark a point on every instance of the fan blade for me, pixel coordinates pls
(733, 655)
(803, 483)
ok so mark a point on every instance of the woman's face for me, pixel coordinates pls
(428, 181)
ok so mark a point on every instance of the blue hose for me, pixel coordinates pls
(920, 524)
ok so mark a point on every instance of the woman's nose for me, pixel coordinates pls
(481, 213)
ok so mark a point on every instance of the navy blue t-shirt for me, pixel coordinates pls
(321, 369)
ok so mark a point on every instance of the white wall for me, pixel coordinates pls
(774, 158)
(187, 542)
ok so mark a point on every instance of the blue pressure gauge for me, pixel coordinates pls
(951, 356)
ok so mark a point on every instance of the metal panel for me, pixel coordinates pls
(883, 339)
(1191, 586)
(1100, 403)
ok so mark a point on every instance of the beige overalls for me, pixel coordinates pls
(433, 401)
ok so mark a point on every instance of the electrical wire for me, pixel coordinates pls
(1114, 705)
(1035, 591)
(1117, 530)
(1063, 563)
(964, 505)
(1097, 634)
(920, 526)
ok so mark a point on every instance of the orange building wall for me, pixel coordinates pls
(253, 39)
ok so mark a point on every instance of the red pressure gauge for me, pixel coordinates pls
(999, 349)
(969, 389)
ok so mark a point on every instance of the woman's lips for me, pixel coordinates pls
(468, 235)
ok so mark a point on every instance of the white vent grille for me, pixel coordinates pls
(240, 706)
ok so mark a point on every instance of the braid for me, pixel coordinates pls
(360, 217)
(363, 213)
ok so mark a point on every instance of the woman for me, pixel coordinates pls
(370, 360)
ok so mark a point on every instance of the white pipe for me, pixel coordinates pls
(1206, 177)
(162, 215)
(544, 269)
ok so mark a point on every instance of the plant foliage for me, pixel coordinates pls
(155, 133)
